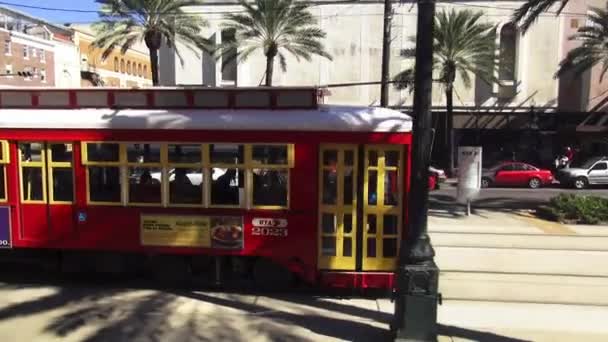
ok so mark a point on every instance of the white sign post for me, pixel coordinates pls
(469, 174)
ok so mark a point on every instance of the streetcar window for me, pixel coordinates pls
(61, 178)
(330, 187)
(270, 154)
(227, 185)
(32, 189)
(32, 171)
(226, 153)
(61, 153)
(104, 184)
(63, 188)
(102, 152)
(186, 186)
(184, 154)
(145, 185)
(31, 152)
(2, 184)
(270, 187)
(391, 189)
(143, 153)
(3, 160)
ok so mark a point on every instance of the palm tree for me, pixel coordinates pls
(527, 14)
(594, 48)
(463, 45)
(275, 27)
(126, 22)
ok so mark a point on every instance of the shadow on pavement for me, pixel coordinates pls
(474, 335)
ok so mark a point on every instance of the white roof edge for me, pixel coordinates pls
(327, 118)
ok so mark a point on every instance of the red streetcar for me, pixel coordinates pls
(251, 183)
(516, 174)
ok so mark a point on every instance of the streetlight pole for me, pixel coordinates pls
(417, 274)
(386, 53)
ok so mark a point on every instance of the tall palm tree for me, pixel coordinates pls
(463, 45)
(530, 10)
(594, 47)
(126, 22)
(275, 27)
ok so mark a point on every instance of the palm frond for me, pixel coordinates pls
(592, 51)
(530, 10)
(277, 28)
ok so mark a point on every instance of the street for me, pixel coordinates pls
(508, 198)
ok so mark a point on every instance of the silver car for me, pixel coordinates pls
(593, 172)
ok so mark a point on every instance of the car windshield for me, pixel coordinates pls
(587, 164)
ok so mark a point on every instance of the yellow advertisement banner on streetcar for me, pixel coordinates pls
(192, 231)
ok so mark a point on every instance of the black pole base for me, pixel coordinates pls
(416, 303)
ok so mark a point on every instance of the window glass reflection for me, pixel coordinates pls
(270, 154)
(270, 187)
(226, 153)
(2, 185)
(144, 185)
(143, 153)
(183, 153)
(31, 152)
(391, 191)
(227, 186)
(185, 186)
(103, 152)
(330, 187)
(104, 183)
(32, 184)
(63, 188)
(61, 153)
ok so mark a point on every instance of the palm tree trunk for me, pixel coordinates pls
(154, 65)
(269, 70)
(449, 135)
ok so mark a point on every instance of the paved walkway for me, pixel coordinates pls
(77, 313)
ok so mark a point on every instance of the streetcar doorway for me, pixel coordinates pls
(46, 190)
(361, 193)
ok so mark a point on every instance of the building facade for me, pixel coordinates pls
(131, 69)
(354, 39)
(34, 46)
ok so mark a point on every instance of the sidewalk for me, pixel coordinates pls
(508, 276)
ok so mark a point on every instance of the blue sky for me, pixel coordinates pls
(59, 17)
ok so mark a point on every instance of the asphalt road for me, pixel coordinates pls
(507, 198)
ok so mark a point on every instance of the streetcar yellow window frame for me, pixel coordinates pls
(206, 166)
(146, 165)
(4, 160)
(58, 165)
(250, 165)
(117, 164)
(23, 164)
(202, 165)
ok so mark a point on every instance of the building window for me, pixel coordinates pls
(129, 68)
(145, 71)
(9, 70)
(28, 70)
(8, 48)
(508, 52)
(43, 75)
(122, 66)
(116, 64)
(42, 56)
(34, 52)
(229, 69)
(26, 52)
(4, 159)
(139, 71)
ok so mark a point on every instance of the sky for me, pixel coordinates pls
(57, 17)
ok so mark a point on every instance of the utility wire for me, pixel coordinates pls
(74, 10)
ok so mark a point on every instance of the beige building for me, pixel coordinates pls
(131, 69)
(354, 39)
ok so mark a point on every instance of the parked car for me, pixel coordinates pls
(436, 176)
(592, 172)
(516, 174)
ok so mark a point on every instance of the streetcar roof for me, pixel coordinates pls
(327, 118)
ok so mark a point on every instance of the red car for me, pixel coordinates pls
(516, 174)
